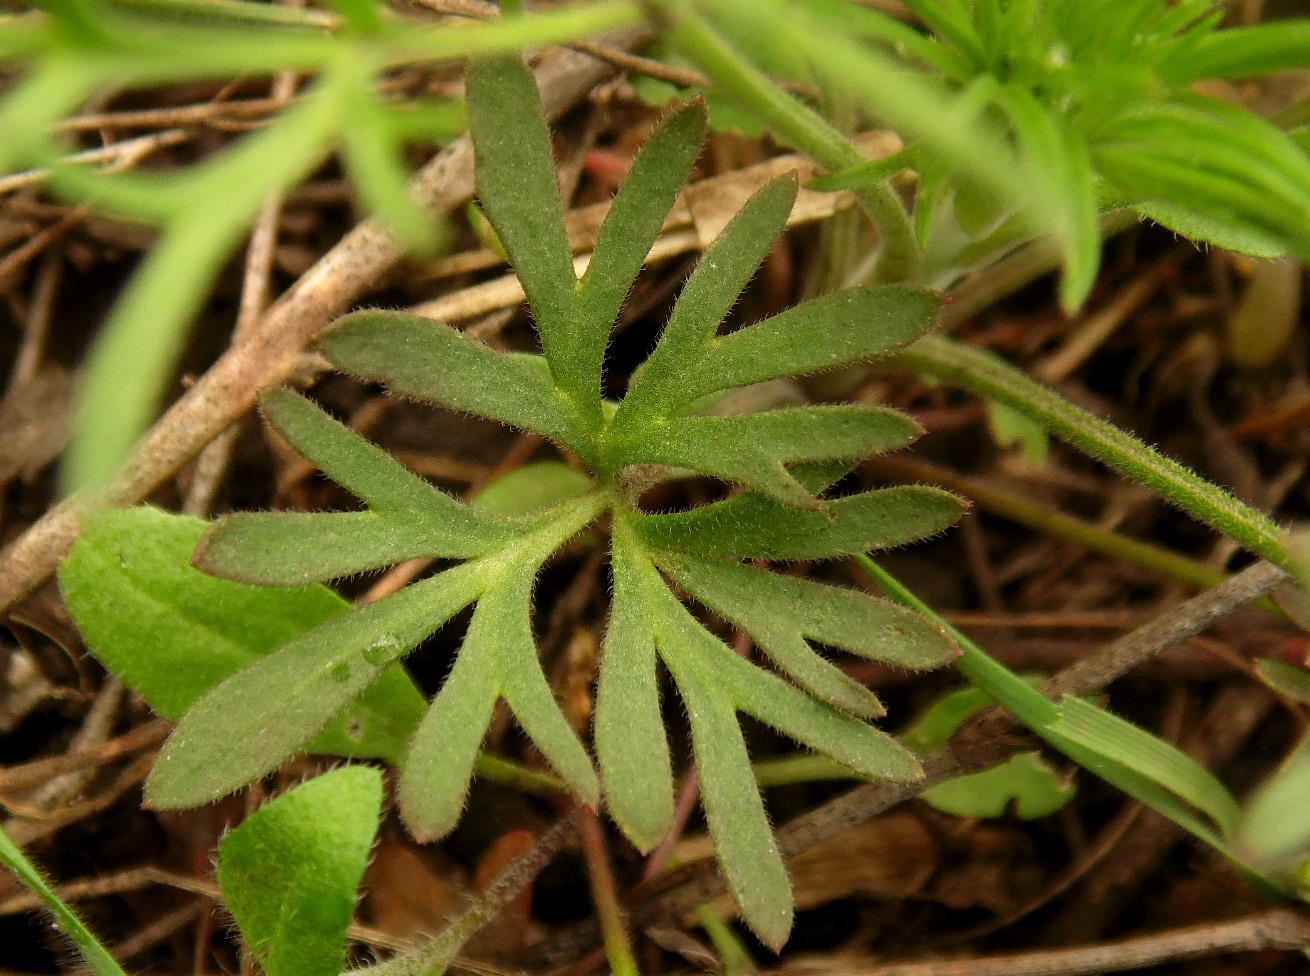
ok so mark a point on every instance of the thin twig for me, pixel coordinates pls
(211, 465)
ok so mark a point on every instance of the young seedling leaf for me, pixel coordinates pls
(533, 488)
(291, 871)
(1025, 783)
(497, 660)
(713, 288)
(781, 612)
(249, 724)
(172, 633)
(418, 357)
(634, 221)
(752, 450)
(754, 527)
(519, 193)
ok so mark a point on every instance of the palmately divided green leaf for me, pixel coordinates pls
(246, 721)
(752, 526)
(753, 450)
(782, 614)
(421, 358)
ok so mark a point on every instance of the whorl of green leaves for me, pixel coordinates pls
(251, 721)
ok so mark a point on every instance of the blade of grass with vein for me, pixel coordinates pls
(1129, 758)
(97, 958)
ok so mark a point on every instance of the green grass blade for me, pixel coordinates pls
(1122, 742)
(98, 959)
(374, 162)
(1242, 52)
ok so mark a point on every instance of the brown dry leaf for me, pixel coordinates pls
(406, 898)
(994, 870)
(34, 423)
(892, 857)
(507, 932)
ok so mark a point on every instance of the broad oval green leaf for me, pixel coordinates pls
(291, 871)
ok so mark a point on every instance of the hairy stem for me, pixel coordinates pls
(985, 374)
